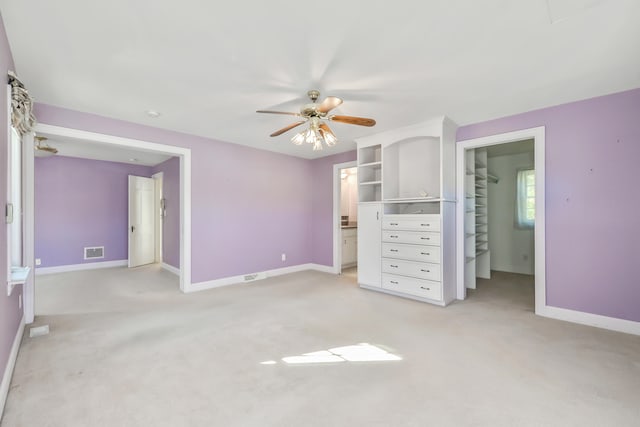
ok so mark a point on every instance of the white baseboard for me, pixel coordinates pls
(11, 363)
(604, 322)
(171, 268)
(233, 280)
(78, 267)
(322, 268)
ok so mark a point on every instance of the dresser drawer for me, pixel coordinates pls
(411, 237)
(407, 285)
(414, 223)
(412, 252)
(421, 270)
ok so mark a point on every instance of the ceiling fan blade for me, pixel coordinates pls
(278, 112)
(360, 121)
(329, 103)
(287, 128)
(327, 129)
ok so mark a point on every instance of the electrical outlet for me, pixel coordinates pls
(284, 257)
(20, 301)
(525, 257)
(38, 261)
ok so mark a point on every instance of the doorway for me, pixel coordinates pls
(473, 244)
(345, 218)
(183, 205)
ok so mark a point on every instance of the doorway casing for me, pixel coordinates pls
(184, 154)
(538, 135)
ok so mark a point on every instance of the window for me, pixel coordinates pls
(526, 198)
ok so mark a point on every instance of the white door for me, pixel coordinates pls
(369, 244)
(141, 221)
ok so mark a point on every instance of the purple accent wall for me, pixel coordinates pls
(322, 233)
(248, 206)
(171, 224)
(10, 315)
(592, 200)
(81, 203)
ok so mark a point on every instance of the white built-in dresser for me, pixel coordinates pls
(406, 212)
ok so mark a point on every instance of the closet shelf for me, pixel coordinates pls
(482, 252)
(373, 165)
(371, 183)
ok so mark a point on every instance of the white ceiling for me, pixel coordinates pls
(207, 66)
(85, 149)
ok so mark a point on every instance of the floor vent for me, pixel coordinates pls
(255, 276)
(94, 252)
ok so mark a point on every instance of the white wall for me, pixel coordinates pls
(512, 249)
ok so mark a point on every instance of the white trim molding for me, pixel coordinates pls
(235, 280)
(11, 363)
(171, 268)
(538, 135)
(589, 319)
(78, 267)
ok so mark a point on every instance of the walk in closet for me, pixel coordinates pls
(406, 213)
(476, 217)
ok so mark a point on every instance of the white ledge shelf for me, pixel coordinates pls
(417, 200)
(19, 276)
(370, 165)
(371, 183)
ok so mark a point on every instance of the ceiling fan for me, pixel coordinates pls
(316, 114)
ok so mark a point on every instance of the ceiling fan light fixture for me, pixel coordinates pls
(298, 139)
(329, 138)
(315, 114)
(43, 150)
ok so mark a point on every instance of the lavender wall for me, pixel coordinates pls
(10, 315)
(248, 206)
(81, 203)
(322, 233)
(592, 200)
(171, 224)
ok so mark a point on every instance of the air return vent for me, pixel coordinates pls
(94, 252)
(255, 276)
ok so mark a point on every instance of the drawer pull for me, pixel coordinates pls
(425, 225)
(393, 266)
(425, 238)
(393, 223)
(393, 237)
(425, 253)
(425, 288)
(394, 282)
(425, 271)
(393, 250)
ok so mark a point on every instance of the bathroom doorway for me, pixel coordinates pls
(345, 230)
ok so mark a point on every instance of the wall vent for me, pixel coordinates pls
(94, 252)
(255, 276)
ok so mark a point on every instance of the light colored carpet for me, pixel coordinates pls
(127, 349)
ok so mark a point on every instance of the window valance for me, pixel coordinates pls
(22, 117)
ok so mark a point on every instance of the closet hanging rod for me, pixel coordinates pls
(492, 178)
